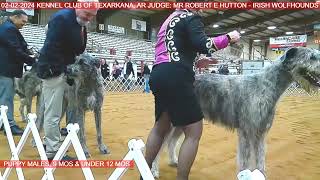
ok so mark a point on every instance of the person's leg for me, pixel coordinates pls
(6, 97)
(146, 83)
(7, 93)
(189, 149)
(129, 81)
(53, 91)
(125, 82)
(156, 136)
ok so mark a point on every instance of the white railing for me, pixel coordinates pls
(124, 85)
(137, 85)
(135, 154)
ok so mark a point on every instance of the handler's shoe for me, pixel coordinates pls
(16, 131)
(63, 131)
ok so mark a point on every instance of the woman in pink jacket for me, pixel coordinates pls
(180, 38)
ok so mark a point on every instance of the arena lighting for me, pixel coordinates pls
(256, 40)
(288, 33)
(215, 26)
(272, 27)
(242, 32)
(220, 12)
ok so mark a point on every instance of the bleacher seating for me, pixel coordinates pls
(34, 35)
(99, 44)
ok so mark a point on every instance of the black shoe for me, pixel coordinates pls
(16, 131)
(1, 128)
(63, 131)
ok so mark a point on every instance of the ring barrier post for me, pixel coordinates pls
(135, 153)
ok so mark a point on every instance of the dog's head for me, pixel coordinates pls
(304, 66)
(85, 67)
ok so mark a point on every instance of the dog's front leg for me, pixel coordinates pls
(29, 102)
(172, 144)
(243, 150)
(40, 116)
(21, 109)
(82, 138)
(259, 150)
(102, 147)
(155, 164)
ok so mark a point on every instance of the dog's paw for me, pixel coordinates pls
(33, 143)
(173, 163)
(103, 149)
(24, 120)
(155, 173)
(88, 155)
(155, 170)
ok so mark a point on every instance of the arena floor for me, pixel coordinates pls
(293, 143)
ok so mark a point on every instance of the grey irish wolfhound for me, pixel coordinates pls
(85, 94)
(247, 103)
(27, 87)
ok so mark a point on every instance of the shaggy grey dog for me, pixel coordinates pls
(27, 87)
(247, 103)
(85, 93)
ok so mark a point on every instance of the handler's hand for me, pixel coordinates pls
(234, 36)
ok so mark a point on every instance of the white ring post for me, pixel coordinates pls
(31, 127)
(31, 120)
(14, 150)
(72, 137)
(135, 153)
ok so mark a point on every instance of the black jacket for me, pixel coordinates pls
(185, 37)
(13, 51)
(146, 70)
(63, 43)
(129, 68)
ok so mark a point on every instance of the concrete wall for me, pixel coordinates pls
(272, 55)
(45, 15)
(124, 19)
(258, 51)
(310, 43)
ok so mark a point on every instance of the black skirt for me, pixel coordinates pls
(173, 90)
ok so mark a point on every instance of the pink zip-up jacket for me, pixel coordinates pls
(181, 36)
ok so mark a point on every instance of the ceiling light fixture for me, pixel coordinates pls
(215, 26)
(272, 27)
